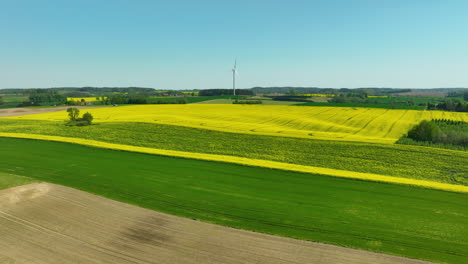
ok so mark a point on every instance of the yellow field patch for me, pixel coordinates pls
(249, 162)
(329, 123)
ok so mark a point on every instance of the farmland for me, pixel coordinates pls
(343, 124)
(367, 105)
(222, 132)
(10, 100)
(270, 195)
(189, 99)
(386, 159)
(402, 220)
(138, 235)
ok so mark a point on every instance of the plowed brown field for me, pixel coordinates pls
(47, 223)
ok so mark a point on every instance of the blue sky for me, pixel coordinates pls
(192, 44)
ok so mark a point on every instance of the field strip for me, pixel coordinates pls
(248, 161)
(48, 223)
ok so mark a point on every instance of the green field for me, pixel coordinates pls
(264, 102)
(368, 105)
(396, 219)
(189, 99)
(11, 100)
(393, 160)
(399, 102)
(8, 180)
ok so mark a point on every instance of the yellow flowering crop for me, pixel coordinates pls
(330, 123)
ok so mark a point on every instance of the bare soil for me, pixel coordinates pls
(30, 111)
(47, 223)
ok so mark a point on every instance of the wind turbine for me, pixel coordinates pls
(234, 73)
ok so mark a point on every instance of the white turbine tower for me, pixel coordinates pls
(234, 73)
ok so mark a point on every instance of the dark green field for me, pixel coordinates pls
(11, 100)
(393, 160)
(368, 105)
(396, 219)
(189, 99)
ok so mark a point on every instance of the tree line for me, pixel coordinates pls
(216, 92)
(441, 131)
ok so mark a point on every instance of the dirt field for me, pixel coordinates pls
(46, 223)
(31, 111)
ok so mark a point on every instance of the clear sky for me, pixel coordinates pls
(192, 44)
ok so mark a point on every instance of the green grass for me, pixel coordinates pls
(10, 101)
(9, 180)
(216, 101)
(8, 105)
(404, 99)
(14, 98)
(393, 160)
(397, 219)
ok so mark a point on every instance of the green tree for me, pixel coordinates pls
(73, 113)
(425, 131)
(88, 118)
(292, 92)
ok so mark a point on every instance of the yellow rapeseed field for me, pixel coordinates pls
(249, 162)
(329, 123)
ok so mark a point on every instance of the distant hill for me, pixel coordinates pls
(368, 90)
(81, 89)
(261, 90)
